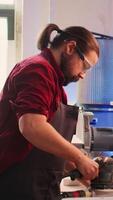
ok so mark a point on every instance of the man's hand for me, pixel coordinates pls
(88, 168)
(69, 166)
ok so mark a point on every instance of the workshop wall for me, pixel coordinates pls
(95, 15)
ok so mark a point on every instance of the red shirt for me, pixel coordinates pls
(33, 86)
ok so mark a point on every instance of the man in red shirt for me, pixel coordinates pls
(35, 132)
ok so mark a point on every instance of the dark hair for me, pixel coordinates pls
(83, 37)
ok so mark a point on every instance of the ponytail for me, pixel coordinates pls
(84, 38)
(44, 39)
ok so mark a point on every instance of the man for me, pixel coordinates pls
(36, 124)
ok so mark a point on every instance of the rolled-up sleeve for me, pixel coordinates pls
(34, 91)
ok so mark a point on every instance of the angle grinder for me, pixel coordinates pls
(105, 177)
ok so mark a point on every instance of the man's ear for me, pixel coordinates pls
(70, 47)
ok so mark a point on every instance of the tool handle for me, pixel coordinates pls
(74, 174)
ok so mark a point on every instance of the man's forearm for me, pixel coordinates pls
(42, 135)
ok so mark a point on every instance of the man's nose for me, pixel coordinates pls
(82, 75)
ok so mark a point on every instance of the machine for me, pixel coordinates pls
(97, 142)
(91, 138)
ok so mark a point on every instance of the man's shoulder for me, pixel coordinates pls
(35, 60)
(31, 64)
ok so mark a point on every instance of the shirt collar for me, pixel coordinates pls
(49, 56)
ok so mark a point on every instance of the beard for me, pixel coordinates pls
(65, 66)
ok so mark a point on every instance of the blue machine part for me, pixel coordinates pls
(103, 114)
(102, 119)
(107, 153)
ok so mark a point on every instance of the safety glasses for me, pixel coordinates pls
(87, 63)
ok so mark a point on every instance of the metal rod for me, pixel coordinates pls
(103, 36)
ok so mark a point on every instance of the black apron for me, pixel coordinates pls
(38, 177)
